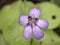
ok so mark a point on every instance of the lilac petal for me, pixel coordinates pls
(23, 20)
(34, 12)
(27, 32)
(38, 34)
(42, 23)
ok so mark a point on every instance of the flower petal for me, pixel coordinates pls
(23, 20)
(38, 34)
(27, 32)
(42, 23)
(34, 12)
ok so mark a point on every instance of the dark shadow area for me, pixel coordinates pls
(36, 1)
(57, 30)
(1, 31)
(41, 43)
(57, 2)
(4, 2)
(53, 17)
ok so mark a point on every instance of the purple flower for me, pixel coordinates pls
(33, 24)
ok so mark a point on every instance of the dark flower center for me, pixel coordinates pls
(31, 20)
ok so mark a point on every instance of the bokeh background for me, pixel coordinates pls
(11, 31)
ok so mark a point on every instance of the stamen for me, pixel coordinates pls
(29, 16)
(36, 19)
(28, 24)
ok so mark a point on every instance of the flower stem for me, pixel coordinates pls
(31, 41)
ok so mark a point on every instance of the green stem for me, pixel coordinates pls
(31, 41)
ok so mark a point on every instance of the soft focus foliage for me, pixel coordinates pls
(12, 31)
(48, 10)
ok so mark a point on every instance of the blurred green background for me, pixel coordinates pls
(11, 31)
